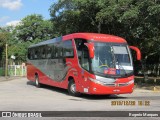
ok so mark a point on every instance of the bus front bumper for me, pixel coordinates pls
(99, 88)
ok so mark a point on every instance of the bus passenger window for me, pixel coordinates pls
(39, 52)
(55, 52)
(32, 54)
(43, 52)
(29, 54)
(35, 53)
(49, 51)
(58, 50)
(60, 54)
(68, 49)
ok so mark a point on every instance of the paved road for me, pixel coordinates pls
(21, 95)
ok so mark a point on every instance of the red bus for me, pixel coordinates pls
(87, 63)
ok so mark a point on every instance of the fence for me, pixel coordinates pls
(16, 70)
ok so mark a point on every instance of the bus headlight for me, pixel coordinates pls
(103, 83)
(130, 82)
(95, 81)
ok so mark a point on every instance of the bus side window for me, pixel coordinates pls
(68, 49)
(32, 53)
(39, 52)
(29, 54)
(48, 51)
(60, 54)
(35, 53)
(60, 49)
(43, 52)
(55, 52)
(52, 51)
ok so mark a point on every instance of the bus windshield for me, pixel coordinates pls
(111, 59)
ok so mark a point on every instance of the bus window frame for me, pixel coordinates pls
(56, 48)
(89, 59)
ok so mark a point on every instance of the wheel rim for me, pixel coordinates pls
(73, 88)
(37, 81)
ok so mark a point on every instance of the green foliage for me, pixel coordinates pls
(34, 27)
(5, 37)
(138, 21)
(31, 30)
(74, 16)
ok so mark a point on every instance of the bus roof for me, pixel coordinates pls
(58, 39)
(88, 36)
(95, 37)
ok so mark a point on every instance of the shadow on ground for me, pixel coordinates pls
(60, 90)
(83, 96)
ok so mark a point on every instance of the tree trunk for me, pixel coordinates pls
(158, 66)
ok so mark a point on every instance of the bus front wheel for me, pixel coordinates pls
(38, 85)
(72, 88)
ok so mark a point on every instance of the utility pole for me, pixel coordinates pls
(6, 67)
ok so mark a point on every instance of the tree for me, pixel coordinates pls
(5, 38)
(34, 27)
(137, 21)
(74, 16)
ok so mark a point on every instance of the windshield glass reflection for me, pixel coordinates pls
(111, 59)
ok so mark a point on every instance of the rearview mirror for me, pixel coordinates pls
(91, 49)
(138, 52)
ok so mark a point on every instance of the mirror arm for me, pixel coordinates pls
(138, 52)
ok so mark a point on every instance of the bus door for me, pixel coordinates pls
(84, 62)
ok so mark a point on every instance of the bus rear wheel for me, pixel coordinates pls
(72, 88)
(38, 85)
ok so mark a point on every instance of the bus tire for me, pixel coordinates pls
(72, 89)
(38, 85)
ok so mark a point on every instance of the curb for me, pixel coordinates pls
(146, 91)
(151, 88)
(4, 79)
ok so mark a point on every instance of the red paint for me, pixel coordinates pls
(91, 49)
(95, 37)
(137, 51)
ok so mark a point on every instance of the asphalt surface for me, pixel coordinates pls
(19, 94)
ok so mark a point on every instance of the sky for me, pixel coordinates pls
(12, 11)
